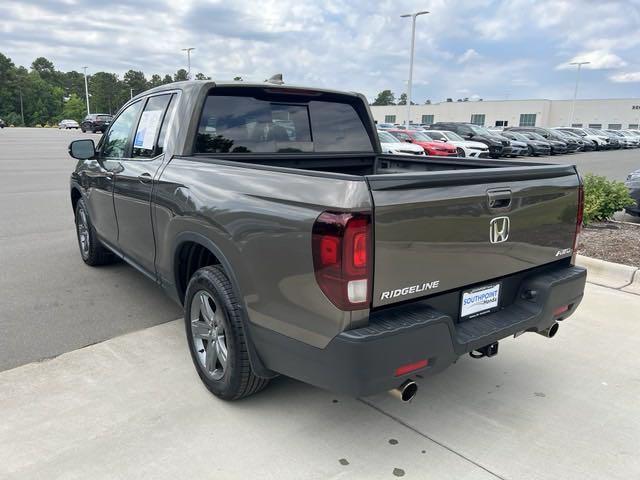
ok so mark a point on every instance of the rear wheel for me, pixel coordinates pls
(218, 346)
(91, 250)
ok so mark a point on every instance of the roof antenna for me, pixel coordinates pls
(275, 79)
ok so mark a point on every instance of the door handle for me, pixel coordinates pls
(499, 199)
(145, 178)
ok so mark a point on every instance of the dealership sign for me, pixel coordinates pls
(635, 107)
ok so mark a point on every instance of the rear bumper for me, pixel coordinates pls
(363, 361)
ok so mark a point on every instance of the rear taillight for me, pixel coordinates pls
(579, 220)
(341, 246)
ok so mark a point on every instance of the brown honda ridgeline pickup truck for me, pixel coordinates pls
(297, 248)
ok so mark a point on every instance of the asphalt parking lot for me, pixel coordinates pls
(132, 406)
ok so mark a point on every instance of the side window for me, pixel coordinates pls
(165, 123)
(403, 136)
(115, 141)
(437, 136)
(144, 141)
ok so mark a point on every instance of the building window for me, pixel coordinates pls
(527, 119)
(597, 126)
(427, 119)
(389, 119)
(577, 125)
(502, 123)
(633, 126)
(478, 119)
(615, 126)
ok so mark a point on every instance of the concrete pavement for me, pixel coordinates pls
(133, 407)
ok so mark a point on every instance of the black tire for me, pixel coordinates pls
(83, 130)
(238, 379)
(95, 253)
(460, 152)
(532, 152)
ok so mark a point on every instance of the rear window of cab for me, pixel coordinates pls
(257, 120)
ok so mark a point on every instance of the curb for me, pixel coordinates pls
(613, 275)
(635, 285)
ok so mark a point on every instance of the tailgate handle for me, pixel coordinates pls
(499, 198)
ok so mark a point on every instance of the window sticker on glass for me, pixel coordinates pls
(147, 129)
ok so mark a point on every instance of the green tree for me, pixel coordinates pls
(180, 75)
(237, 79)
(106, 92)
(156, 80)
(403, 100)
(202, 76)
(135, 80)
(167, 79)
(74, 108)
(385, 97)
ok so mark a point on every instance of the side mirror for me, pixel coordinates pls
(82, 149)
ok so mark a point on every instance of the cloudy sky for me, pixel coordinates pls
(494, 49)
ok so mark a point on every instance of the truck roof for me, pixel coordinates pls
(191, 85)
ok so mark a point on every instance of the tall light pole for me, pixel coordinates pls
(575, 92)
(86, 89)
(413, 41)
(188, 50)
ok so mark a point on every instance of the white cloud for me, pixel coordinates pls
(625, 77)
(598, 60)
(468, 56)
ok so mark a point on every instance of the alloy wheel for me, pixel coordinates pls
(207, 330)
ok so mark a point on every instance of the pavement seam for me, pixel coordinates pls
(424, 435)
(619, 289)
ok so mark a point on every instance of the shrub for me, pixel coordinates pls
(603, 198)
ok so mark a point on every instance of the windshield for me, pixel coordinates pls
(479, 130)
(421, 136)
(453, 136)
(104, 118)
(535, 136)
(386, 137)
(518, 136)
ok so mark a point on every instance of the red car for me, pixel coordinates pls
(431, 146)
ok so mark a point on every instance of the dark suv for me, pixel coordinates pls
(498, 147)
(96, 122)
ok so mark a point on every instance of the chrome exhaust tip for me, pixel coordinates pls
(406, 391)
(551, 331)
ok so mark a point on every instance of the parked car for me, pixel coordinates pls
(385, 126)
(518, 148)
(612, 140)
(633, 183)
(464, 148)
(548, 133)
(96, 122)
(584, 145)
(556, 147)
(394, 146)
(320, 258)
(534, 147)
(2, 124)
(476, 133)
(598, 142)
(630, 141)
(66, 124)
(429, 145)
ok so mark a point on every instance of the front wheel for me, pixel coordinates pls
(460, 152)
(218, 346)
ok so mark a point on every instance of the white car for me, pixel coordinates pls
(391, 144)
(627, 141)
(601, 142)
(465, 148)
(68, 124)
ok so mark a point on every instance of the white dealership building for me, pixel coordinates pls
(614, 113)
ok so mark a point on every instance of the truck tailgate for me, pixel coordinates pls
(443, 230)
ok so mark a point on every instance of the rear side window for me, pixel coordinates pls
(260, 122)
(144, 141)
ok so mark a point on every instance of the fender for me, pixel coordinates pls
(254, 358)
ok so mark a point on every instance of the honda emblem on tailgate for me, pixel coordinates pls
(499, 229)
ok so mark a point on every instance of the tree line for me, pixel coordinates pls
(387, 97)
(43, 95)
